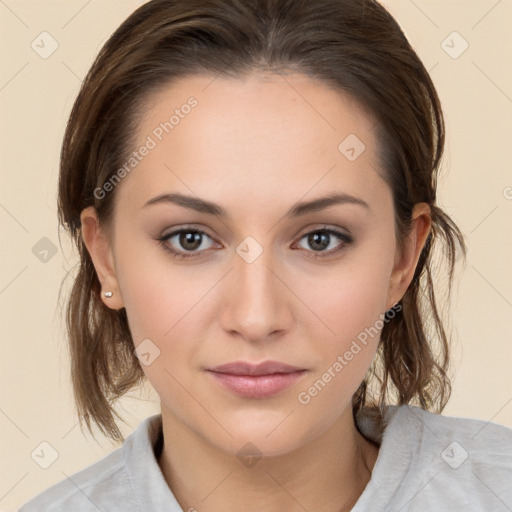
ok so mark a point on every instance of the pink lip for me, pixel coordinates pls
(256, 381)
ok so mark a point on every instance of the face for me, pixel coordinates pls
(261, 278)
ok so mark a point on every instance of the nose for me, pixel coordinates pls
(257, 303)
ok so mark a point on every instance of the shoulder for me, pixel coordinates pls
(482, 441)
(105, 485)
(83, 491)
(465, 463)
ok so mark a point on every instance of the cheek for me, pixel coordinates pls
(157, 293)
(166, 301)
(351, 301)
(168, 304)
(353, 310)
(164, 309)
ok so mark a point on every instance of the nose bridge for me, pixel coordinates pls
(256, 303)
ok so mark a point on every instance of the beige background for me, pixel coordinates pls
(36, 96)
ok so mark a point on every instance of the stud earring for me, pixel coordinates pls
(108, 294)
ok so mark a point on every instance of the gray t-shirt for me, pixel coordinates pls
(426, 462)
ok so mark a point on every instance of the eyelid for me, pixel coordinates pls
(345, 239)
(163, 239)
(186, 227)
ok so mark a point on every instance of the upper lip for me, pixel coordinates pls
(264, 368)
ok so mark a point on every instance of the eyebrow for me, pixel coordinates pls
(299, 209)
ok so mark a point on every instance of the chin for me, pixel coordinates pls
(242, 446)
(268, 437)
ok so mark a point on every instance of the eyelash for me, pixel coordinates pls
(346, 239)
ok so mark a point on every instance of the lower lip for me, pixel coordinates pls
(257, 386)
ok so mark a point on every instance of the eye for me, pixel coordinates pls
(185, 242)
(321, 239)
(190, 242)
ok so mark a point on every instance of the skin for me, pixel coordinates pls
(257, 146)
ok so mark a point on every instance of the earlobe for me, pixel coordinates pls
(407, 260)
(99, 247)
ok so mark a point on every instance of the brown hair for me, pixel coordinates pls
(354, 46)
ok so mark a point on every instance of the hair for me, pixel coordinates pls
(354, 46)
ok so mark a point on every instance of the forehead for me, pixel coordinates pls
(267, 134)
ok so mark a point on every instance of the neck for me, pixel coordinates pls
(329, 473)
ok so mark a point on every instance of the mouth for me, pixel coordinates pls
(256, 380)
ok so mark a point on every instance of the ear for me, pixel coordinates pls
(99, 246)
(407, 259)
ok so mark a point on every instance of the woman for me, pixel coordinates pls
(252, 189)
